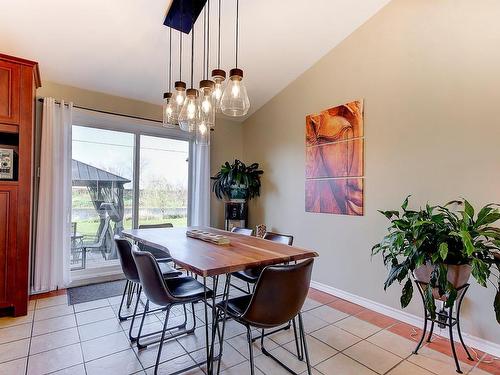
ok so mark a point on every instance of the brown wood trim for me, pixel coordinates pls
(30, 63)
(5, 128)
(53, 293)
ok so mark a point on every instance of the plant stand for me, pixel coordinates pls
(444, 319)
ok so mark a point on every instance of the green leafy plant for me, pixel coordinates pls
(440, 236)
(237, 175)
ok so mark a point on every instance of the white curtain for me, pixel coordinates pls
(53, 234)
(200, 186)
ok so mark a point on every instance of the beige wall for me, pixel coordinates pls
(226, 140)
(429, 73)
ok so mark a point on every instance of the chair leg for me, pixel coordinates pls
(304, 342)
(139, 345)
(158, 356)
(122, 318)
(132, 338)
(299, 347)
(250, 348)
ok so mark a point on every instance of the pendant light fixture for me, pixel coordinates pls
(218, 75)
(169, 107)
(179, 94)
(207, 110)
(234, 101)
(190, 113)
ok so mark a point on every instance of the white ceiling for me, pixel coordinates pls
(120, 47)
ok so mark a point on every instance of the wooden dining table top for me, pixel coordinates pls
(208, 259)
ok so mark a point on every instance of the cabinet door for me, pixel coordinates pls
(10, 83)
(8, 235)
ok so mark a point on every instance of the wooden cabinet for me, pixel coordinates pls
(19, 79)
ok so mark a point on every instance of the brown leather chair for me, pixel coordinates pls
(277, 299)
(166, 293)
(252, 275)
(132, 285)
(160, 255)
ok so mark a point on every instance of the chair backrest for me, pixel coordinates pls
(244, 231)
(151, 226)
(151, 278)
(124, 250)
(279, 294)
(278, 237)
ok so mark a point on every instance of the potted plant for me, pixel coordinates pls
(441, 247)
(237, 181)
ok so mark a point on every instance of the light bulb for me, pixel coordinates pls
(202, 134)
(178, 97)
(234, 101)
(207, 110)
(190, 113)
(170, 116)
(218, 76)
(203, 128)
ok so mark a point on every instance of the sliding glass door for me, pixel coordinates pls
(120, 180)
(163, 181)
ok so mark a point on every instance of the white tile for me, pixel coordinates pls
(54, 340)
(15, 333)
(341, 364)
(282, 337)
(55, 324)
(97, 329)
(79, 307)
(31, 305)
(14, 350)
(54, 360)
(230, 357)
(121, 363)
(52, 301)
(358, 327)
(240, 343)
(175, 365)
(312, 323)
(241, 369)
(104, 346)
(318, 351)
(10, 321)
(269, 366)
(372, 356)
(408, 368)
(73, 370)
(171, 349)
(310, 304)
(393, 343)
(328, 314)
(53, 312)
(336, 337)
(95, 315)
(16, 367)
(194, 341)
(436, 362)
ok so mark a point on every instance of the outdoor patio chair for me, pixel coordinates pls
(99, 243)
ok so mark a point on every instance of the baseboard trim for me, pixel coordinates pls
(473, 341)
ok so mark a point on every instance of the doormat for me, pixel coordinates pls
(94, 292)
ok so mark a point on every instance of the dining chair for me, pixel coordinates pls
(241, 230)
(278, 297)
(133, 284)
(166, 293)
(160, 255)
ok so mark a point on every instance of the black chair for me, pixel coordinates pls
(277, 299)
(160, 255)
(166, 293)
(251, 276)
(132, 285)
(241, 230)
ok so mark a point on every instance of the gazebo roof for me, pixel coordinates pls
(87, 175)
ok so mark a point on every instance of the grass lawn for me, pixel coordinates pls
(89, 227)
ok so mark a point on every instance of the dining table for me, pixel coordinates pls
(210, 261)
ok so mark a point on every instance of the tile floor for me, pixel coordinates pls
(343, 339)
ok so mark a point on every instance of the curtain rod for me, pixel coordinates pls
(107, 112)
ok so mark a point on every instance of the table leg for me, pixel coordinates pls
(225, 298)
(206, 323)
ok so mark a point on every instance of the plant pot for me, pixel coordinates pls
(238, 193)
(458, 275)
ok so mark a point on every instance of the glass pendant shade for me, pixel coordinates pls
(234, 101)
(178, 97)
(203, 133)
(218, 76)
(170, 116)
(207, 107)
(190, 114)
